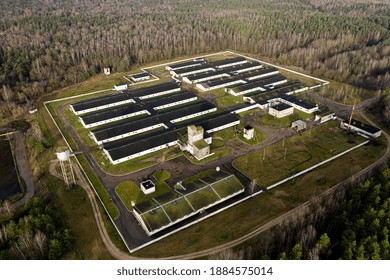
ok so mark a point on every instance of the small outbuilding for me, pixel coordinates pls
(324, 116)
(299, 125)
(107, 71)
(140, 77)
(120, 87)
(148, 187)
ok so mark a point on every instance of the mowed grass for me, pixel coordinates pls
(302, 151)
(251, 214)
(285, 121)
(128, 191)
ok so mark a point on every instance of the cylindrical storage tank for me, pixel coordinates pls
(63, 154)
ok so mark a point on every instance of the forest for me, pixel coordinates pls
(49, 44)
(37, 231)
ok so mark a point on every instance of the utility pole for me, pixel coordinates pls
(352, 112)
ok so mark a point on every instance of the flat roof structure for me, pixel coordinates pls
(245, 67)
(129, 110)
(124, 97)
(260, 73)
(143, 145)
(210, 75)
(192, 70)
(297, 103)
(113, 114)
(224, 82)
(140, 76)
(181, 65)
(281, 107)
(129, 128)
(362, 128)
(100, 103)
(247, 88)
(229, 62)
(133, 147)
(155, 90)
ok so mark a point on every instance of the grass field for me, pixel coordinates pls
(285, 121)
(301, 152)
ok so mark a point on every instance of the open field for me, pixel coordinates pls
(258, 210)
(303, 151)
(285, 121)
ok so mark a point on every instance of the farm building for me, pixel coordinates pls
(191, 70)
(324, 116)
(130, 110)
(120, 87)
(280, 110)
(140, 145)
(238, 69)
(299, 104)
(229, 62)
(260, 73)
(100, 103)
(140, 77)
(173, 207)
(125, 97)
(202, 77)
(362, 129)
(186, 64)
(163, 120)
(298, 125)
(246, 88)
(220, 83)
(280, 90)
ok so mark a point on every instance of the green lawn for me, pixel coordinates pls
(229, 101)
(302, 151)
(285, 121)
(128, 191)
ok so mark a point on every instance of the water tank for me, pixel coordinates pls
(63, 153)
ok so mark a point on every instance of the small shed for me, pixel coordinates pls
(120, 87)
(298, 125)
(148, 187)
(107, 71)
(140, 77)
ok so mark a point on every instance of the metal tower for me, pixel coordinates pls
(63, 155)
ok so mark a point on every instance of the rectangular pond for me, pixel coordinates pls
(9, 183)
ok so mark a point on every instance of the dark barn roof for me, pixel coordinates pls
(228, 61)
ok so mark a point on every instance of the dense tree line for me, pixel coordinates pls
(49, 44)
(35, 232)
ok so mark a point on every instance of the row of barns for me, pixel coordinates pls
(134, 123)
